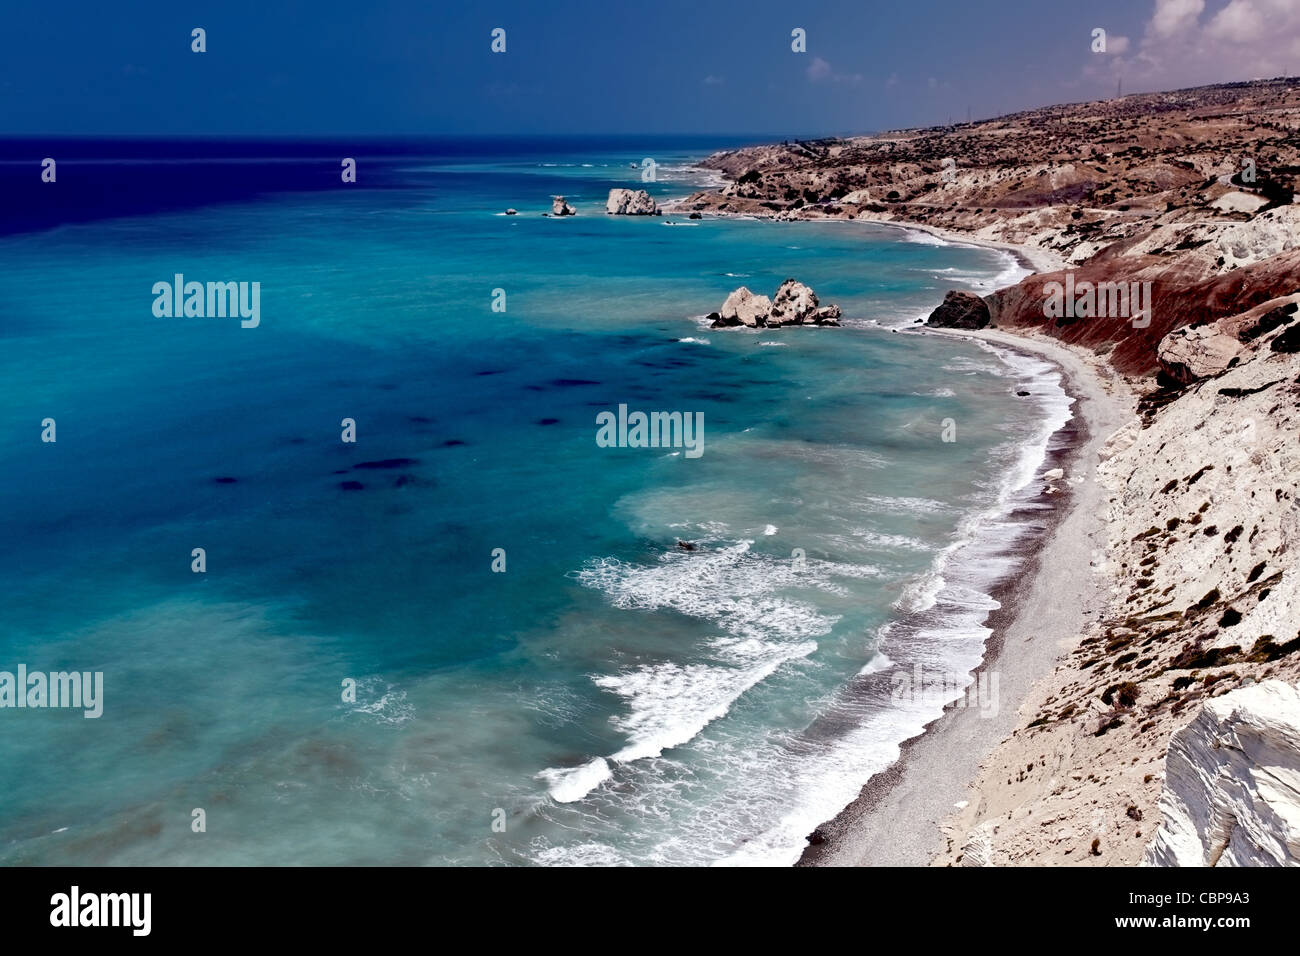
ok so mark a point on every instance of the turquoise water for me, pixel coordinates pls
(610, 697)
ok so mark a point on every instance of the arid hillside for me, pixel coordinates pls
(1190, 191)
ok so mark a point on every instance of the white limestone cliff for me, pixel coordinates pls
(1232, 784)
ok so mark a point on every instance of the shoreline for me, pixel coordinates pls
(899, 817)
(1032, 258)
(903, 814)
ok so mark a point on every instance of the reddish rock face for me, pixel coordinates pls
(1179, 297)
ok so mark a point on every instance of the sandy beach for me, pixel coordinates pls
(1032, 258)
(897, 820)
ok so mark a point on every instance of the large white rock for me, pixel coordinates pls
(747, 308)
(630, 202)
(793, 304)
(1232, 783)
(561, 208)
(1188, 354)
(1267, 235)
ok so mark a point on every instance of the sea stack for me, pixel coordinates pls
(630, 202)
(561, 208)
(794, 304)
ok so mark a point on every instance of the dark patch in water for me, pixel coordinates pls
(419, 419)
(711, 396)
(297, 441)
(490, 371)
(452, 443)
(387, 463)
(548, 421)
(571, 382)
(341, 471)
(225, 480)
(351, 485)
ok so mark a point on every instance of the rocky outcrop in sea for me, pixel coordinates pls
(793, 304)
(960, 310)
(631, 202)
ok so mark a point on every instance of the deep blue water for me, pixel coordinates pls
(610, 697)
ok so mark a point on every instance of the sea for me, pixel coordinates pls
(363, 585)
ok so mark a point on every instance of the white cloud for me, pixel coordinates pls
(1243, 21)
(1195, 42)
(1175, 16)
(819, 71)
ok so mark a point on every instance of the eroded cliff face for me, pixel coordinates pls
(1183, 292)
(1203, 529)
(1232, 785)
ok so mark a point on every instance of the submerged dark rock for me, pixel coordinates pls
(387, 463)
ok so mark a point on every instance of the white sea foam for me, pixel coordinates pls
(668, 703)
(923, 238)
(581, 854)
(879, 662)
(383, 701)
(569, 784)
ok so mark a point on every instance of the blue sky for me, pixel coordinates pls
(375, 67)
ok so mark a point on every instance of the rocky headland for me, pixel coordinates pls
(1164, 728)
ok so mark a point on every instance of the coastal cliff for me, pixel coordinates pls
(1232, 796)
(1165, 241)
(1200, 598)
